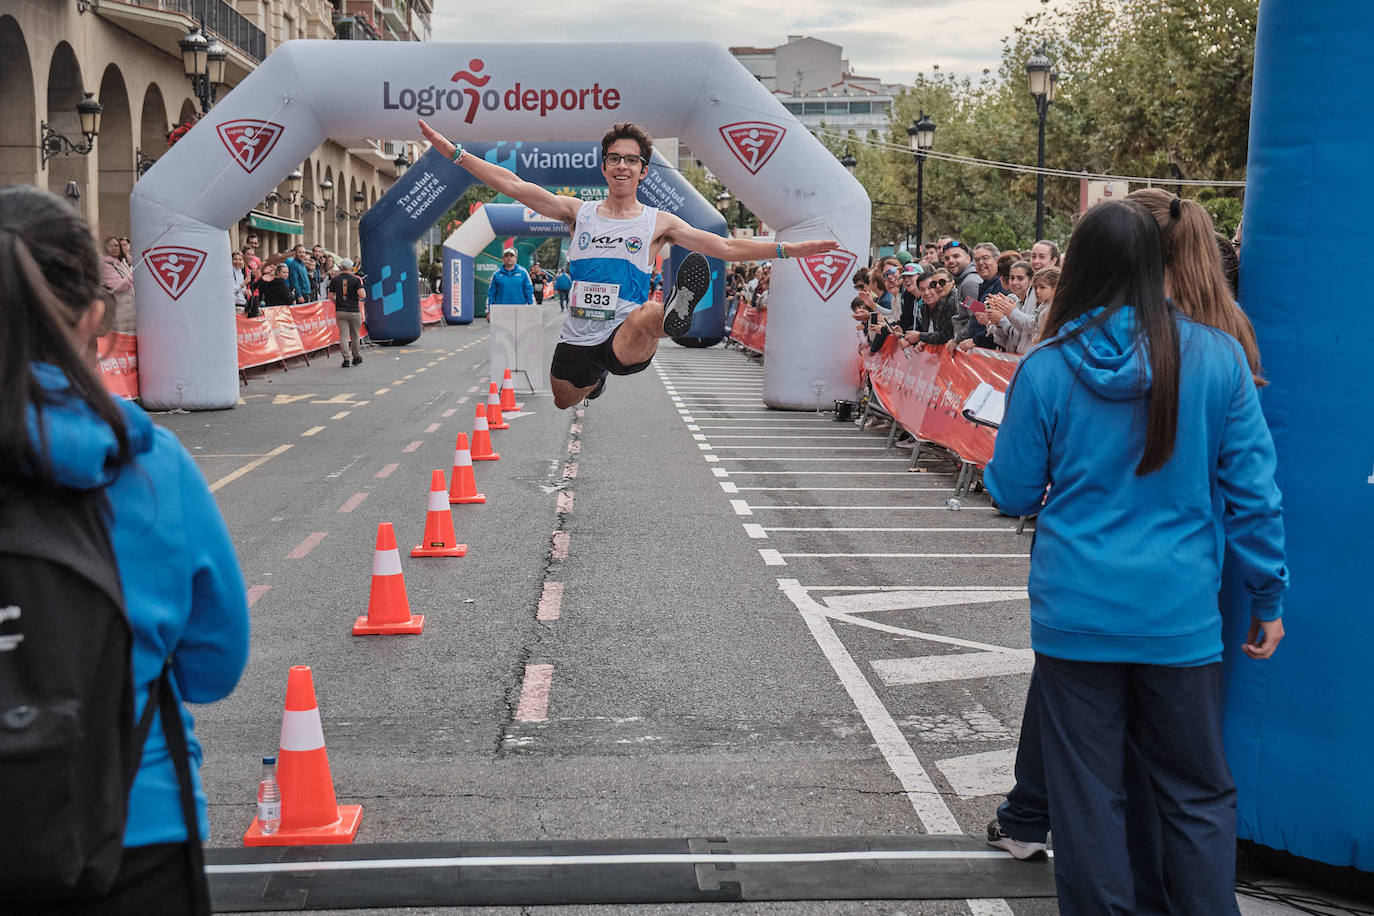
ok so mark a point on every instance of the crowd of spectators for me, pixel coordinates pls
(286, 278)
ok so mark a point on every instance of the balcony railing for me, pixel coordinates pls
(221, 18)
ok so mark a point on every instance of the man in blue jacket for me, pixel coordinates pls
(511, 284)
(299, 279)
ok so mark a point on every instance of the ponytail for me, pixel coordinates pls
(1192, 263)
(49, 277)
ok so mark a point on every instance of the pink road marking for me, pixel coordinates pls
(534, 694)
(451, 411)
(431, 427)
(386, 471)
(574, 447)
(560, 545)
(565, 502)
(257, 591)
(464, 398)
(413, 446)
(575, 429)
(354, 502)
(570, 470)
(304, 547)
(550, 603)
(579, 413)
(470, 391)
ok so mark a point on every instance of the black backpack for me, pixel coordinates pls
(69, 746)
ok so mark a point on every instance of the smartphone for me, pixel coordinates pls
(974, 305)
(873, 319)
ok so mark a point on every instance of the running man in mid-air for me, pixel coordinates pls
(612, 327)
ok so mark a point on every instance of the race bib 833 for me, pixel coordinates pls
(596, 301)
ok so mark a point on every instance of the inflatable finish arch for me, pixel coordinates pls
(1298, 726)
(306, 91)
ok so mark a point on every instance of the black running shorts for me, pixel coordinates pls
(581, 365)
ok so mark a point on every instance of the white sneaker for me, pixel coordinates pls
(1019, 849)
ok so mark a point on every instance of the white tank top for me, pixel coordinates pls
(608, 260)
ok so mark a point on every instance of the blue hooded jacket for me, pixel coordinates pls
(510, 286)
(1127, 568)
(183, 589)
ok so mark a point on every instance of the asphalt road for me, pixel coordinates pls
(766, 624)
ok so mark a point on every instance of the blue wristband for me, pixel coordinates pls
(782, 252)
(458, 151)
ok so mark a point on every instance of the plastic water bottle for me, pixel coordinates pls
(953, 504)
(269, 797)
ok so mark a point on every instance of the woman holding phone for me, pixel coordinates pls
(1148, 425)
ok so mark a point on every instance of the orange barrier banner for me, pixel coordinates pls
(315, 325)
(119, 364)
(257, 344)
(431, 312)
(750, 327)
(283, 324)
(925, 389)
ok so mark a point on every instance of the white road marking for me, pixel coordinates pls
(729, 487)
(925, 799)
(772, 558)
(930, 669)
(741, 507)
(719, 472)
(755, 531)
(964, 530)
(980, 775)
(909, 556)
(918, 598)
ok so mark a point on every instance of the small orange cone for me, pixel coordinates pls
(481, 439)
(508, 394)
(463, 487)
(388, 608)
(494, 418)
(440, 540)
(310, 814)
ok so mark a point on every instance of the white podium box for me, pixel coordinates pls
(517, 344)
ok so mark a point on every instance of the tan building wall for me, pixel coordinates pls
(125, 53)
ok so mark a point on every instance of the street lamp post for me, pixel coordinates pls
(203, 62)
(921, 136)
(851, 165)
(723, 205)
(55, 144)
(1041, 74)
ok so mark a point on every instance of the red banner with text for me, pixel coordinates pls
(431, 312)
(315, 325)
(750, 328)
(925, 389)
(257, 345)
(119, 364)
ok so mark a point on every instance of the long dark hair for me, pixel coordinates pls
(49, 277)
(1114, 261)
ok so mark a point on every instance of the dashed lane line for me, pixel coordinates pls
(250, 466)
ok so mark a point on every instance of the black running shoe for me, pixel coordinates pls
(600, 387)
(689, 286)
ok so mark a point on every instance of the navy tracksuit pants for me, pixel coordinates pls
(1131, 758)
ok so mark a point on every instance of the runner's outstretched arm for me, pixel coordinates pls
(712, 245)
(505, 181)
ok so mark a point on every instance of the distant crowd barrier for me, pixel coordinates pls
(279, 333)
(749, 328)
(924, 391)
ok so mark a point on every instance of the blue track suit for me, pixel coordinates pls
(183, 590)
(1123, 589)
(299, 279)
(510, 287)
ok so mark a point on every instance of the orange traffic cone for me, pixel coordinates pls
(494, 419)
(508, 394)
(440, 540)
(481, 439)
(310, 814)
(388, 608)
(463, 487)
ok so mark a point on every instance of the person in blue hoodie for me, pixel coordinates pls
(1140, 431)
(183, 588)
(510, 285)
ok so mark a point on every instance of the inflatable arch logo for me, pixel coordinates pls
(249, 142)
(828, 272)
(483, 93)
(174, 269)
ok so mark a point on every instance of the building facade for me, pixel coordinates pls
(814, 81)
(127, 54)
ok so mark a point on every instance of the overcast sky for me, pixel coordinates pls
(889, 39)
